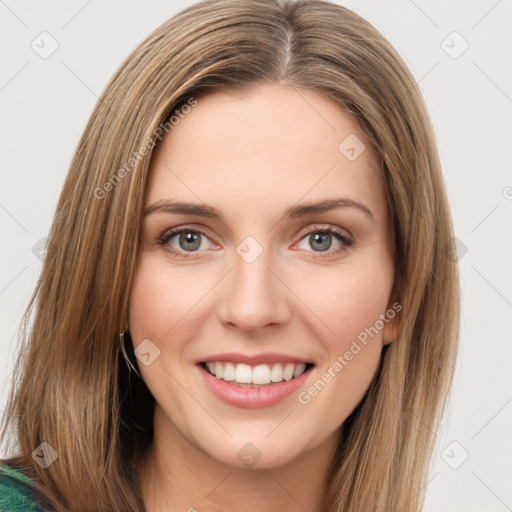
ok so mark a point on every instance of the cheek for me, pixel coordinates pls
(160, 307)
(352, 303)
(347, 301)
(159, 299)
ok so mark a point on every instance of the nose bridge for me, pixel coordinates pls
(255, 297)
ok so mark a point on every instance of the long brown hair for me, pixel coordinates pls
(72, 385)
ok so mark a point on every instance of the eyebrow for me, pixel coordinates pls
(301, 210)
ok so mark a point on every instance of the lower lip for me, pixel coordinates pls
(252, 398)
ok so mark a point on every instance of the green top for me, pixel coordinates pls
(16, 494)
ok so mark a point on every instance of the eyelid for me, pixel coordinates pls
(172, 232)
(319, 227)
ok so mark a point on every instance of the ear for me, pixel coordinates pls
(393, 319)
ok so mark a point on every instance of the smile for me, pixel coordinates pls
(255, 376)
(254, 386)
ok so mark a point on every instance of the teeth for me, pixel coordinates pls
(229, 372)
(299, 370)
(219, 370)
(288, 371)
(260, 375)
(243, 373)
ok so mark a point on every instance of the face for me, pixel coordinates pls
(290, 305)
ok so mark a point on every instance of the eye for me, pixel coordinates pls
(321, 239)
(187, 240)
(181, 241)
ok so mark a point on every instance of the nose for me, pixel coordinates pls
(255, 296)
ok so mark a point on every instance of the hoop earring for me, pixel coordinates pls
(123, 337)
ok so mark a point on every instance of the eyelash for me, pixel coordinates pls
(171, 233)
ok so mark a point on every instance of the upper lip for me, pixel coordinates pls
(254, 359)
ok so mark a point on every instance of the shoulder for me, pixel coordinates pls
(15, 491)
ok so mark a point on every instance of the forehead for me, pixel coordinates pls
(274, 144)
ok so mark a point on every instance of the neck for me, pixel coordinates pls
(175, 473)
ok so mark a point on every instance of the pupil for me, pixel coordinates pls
(190, 238)
(322, 237)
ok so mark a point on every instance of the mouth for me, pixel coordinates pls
(254, 386)
(255, 376)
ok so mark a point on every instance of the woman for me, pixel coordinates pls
(248, 300)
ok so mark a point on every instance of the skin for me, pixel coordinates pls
(251, 157)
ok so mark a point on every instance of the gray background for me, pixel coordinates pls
(47, 101)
